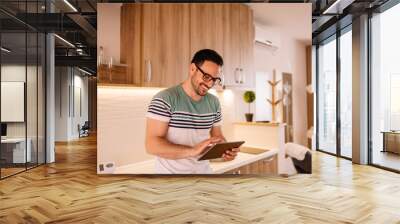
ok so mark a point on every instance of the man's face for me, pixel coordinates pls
(199, 75)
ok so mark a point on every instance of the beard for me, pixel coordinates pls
(200, 89)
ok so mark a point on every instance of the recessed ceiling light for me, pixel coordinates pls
(86, 72)
(5, 50)
(64, 40)
(70, 5)
(337, 7)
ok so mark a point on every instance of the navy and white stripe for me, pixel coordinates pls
(161, 102)
(187, 120)
(218, 117)
(159, 107)
(183, 119)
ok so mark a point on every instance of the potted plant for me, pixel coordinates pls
(249, 97)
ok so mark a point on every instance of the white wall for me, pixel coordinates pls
(80, 83)
(291, 33)
(66, 121)
(229, 103)
(12, 101)
(263, 91)
(239, 107)
(33, 127)
(16, 73)
(290, 58)
(62, 80)
(13, 73)
(108, 30)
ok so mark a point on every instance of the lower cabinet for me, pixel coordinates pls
(264, 166)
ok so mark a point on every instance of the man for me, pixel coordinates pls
(183, 120)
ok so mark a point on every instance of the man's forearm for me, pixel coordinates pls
(163, 148)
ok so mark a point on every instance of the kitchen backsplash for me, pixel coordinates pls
(122, 122)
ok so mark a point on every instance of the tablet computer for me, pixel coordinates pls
(217, 150)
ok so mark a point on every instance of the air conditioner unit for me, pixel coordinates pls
(262, 39)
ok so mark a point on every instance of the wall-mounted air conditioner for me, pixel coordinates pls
(266, 39)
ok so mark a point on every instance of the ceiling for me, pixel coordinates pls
(328, 16)
(76, 21)
(73, 20)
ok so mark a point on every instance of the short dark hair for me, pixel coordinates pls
(207, 55)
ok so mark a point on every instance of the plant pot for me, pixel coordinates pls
(249, 117)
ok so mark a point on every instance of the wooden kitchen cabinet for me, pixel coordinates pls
(247, 46)
(264, 166)
(165, 58)
(229, 30)
(155, 43)
(117, 74)
(238, 46)
(131, 27)
(231, 44)
(103, 74)
(159, 40)
(207, 27)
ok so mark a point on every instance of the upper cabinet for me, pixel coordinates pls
(246, 23)
(165, 44)
(238, 45)
(229, 30)
(155, 43)
(131, 41)
(231, 43)
(206, 27)
(158, 41)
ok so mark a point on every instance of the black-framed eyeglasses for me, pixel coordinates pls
(207, 77)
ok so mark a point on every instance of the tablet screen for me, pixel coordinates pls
(218, 150)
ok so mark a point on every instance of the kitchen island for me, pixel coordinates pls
(264, 135)
(250, 160)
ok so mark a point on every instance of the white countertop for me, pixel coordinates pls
(270, 124)
(147, 166)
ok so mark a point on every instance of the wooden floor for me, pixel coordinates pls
(386, 159)
(10, 171)
(69, 191)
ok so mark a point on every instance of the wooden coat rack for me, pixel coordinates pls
(273, 101)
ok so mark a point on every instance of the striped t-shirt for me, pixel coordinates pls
(189, 122)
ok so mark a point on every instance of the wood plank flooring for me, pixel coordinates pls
(10, 171)
(70, 191)
(386, 159)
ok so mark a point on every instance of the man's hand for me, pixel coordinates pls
(201, 147)
(230, 154)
